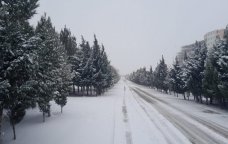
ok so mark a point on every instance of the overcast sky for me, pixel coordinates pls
(137, 33)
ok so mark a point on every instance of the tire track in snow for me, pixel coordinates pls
(171, 138)
(144, 109)
(215, 127)
(128, 134)
(191, 131)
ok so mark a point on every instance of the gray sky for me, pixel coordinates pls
(137, 33)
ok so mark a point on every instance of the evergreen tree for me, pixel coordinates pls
(70, 45)
(97, 72)
(105, 69)
(17, 54)
(50, 59)
(151, 77)
(86, 65)
(221, 65)
(161, 73)
(210, 81)
(178, 85)
(64, 79)
(195, 66)
(68, 41)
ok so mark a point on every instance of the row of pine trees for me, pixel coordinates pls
(39, 65)
(203, 73)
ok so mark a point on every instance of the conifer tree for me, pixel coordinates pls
(63, 83)
(86, 65)
(50, 59)
(221, 65)
(151, 77)
(161, 73)
(210, 80)
(68, 41)
(70, 46)
(178, 85)
(97, 72)
(195, 66)
(17, 45)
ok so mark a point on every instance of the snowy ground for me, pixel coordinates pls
(138, 116)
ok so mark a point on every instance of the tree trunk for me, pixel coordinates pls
(43, 116)
(211, 100)
(184, 96)
(61, 109)
(197, 98)
(73, 89)
(78, 90)
(188, 94)
(49, 110)
(201, 99)
(87, 89)
(14, 131)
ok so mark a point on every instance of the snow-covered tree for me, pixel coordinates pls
(176, 79)
(195, 68)
(50, 59)
(161, 75)
(63, 83)
(151, 77)
(221, 64)
(17, 54)
(141, 76)
(97, 72)
(210, 80)
(68, 41)
(86, 69)
(70, 46)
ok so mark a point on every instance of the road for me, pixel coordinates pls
(195, 128)
(126, 114)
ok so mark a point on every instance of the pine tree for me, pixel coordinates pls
(210, 80)
(50, 59)
(176, 79)
(105, 68)
(70, 46)
(68, 41)
(86, 65)
(195, 66)
(17, 45)
(64, 79)
(221, 65)
(161, 73)
(97, 72)
(151, 77)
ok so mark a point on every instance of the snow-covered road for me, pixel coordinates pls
(196, 129)
(139, 115)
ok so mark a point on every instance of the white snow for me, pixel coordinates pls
(117, 117)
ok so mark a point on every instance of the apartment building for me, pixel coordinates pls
(211, 37)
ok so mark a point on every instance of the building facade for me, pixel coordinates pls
(211, 37)
(187, 50)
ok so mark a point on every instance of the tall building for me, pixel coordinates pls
(211, 37)
(186, 50)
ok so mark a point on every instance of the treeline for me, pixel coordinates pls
(204, 74)
(39, 65)
(90, 66)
